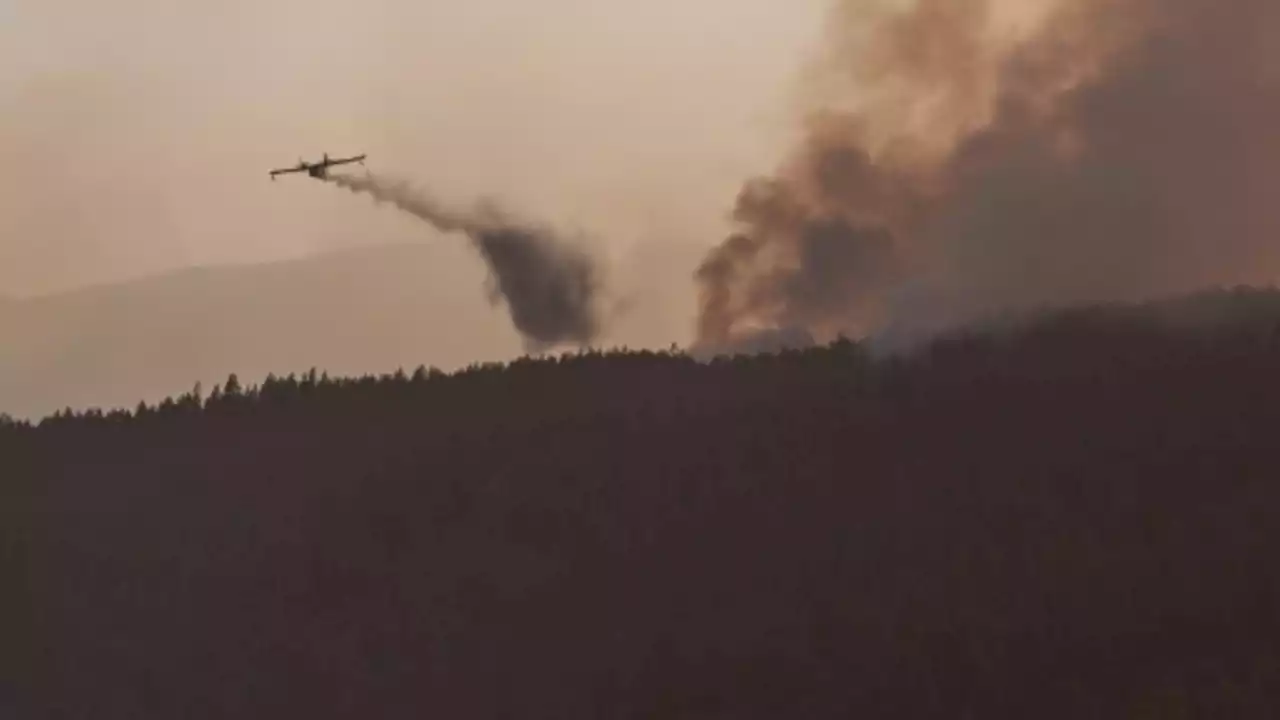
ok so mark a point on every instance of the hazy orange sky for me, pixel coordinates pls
(136, 135)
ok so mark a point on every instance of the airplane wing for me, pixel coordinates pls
(282, 171)
(344, 161)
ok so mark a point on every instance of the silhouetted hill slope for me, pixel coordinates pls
(1076, 518)
(353, 311)
(1232, 310)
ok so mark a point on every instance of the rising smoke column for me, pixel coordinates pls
(548, 285)
(1115, 150)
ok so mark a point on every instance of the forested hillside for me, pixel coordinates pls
(1076, 517)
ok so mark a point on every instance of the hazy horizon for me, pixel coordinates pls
(137, 139)
(829, 167)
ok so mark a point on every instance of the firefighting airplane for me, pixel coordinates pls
(318, 170)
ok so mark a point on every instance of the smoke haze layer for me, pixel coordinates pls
(548, 285)
(955, 167)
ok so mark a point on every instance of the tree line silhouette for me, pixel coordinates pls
(1073, 516)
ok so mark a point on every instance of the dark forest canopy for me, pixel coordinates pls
(1203, 315)
(1069, 516)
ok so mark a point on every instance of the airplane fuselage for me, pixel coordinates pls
(319, 170)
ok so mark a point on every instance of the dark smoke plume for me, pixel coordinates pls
(1115, 150)
(548, 285)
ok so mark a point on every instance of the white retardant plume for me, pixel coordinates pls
(548, 285)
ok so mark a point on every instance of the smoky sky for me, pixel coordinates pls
(1112, 150)
(136, 134)
(549, 284)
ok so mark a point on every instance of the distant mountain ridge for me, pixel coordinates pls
(346, 312)
(361, 311)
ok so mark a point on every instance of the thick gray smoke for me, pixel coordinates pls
(548, 285)
(1117, 150)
